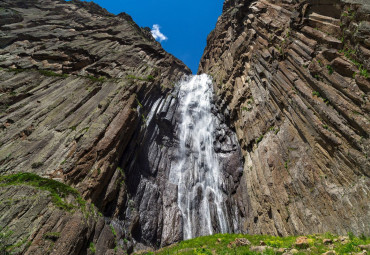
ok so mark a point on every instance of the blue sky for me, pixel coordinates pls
(186, 23)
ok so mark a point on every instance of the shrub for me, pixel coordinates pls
(92, 248)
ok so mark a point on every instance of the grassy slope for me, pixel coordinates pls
(218, 244)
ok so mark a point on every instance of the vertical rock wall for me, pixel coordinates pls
(292, 77)
(72, 77)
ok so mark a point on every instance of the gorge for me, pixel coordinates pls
(109, 144)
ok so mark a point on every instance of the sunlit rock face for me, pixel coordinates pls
(72, 77)
(290, 77)
(274, 141)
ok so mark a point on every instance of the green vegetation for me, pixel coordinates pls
(330, 69)
(350, 54)
(364, 73)
(92, 248)
(16, 70)
(316, 93)
(325, 126)
(53, 236)
(286, 164)
(133, 77)
(143, 118)
(349, 13)
(138, 102)
(222, 244)
(113, 230)
(52, 74)
(58, 190)
(95, 79)
(259, 139)
(5, 235)
(150, 78)
(122, 182)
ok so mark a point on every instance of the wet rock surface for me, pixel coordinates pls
(154, 215)
(292, 78)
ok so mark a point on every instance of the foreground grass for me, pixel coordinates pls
(222, 244)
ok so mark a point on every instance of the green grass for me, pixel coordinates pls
(133, 77)
(58, 191)
(218, 244)
(53, 236)
(52, 74)
(96, 79)
(16, 70)
(5, 235)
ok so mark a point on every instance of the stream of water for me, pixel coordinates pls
(196, 169)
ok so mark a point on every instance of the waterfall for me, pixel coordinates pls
(196, 168)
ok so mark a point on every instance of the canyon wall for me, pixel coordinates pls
(92, 112)
(292, 79)
(77, 84)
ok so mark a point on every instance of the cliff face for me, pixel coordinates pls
(292, 79)
(77, 85)
(90, 111)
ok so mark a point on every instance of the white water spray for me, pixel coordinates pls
(196, 169)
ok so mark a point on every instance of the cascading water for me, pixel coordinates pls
(196, 168)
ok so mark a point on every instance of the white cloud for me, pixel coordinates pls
(157, 33)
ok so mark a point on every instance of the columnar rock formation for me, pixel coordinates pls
(76, 85)
(292, 77)
(91, 100)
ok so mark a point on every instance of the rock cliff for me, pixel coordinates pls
(77, 84)
(91, 114)
(292, 79)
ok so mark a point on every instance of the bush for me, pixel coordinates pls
(92, 248)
